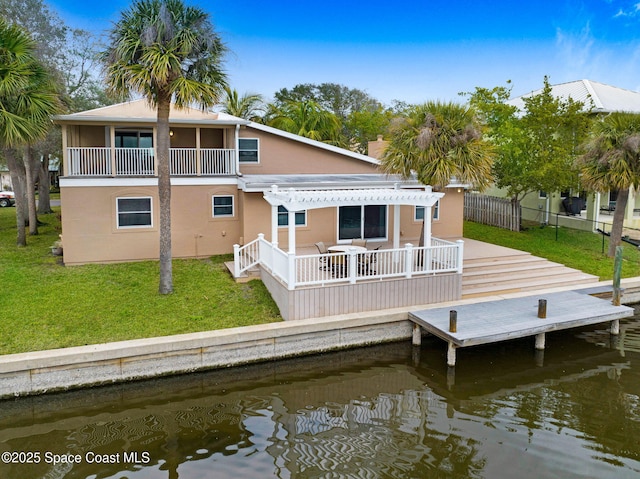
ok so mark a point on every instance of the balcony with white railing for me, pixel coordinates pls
(112, 162)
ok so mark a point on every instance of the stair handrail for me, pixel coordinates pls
(247, 256)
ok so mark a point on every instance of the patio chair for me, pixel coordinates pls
(367, 263)
(322, 249)
(359, 242)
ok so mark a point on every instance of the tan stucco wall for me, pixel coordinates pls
(322, 224)
(451, 222)
(281, 156)
(90, 232)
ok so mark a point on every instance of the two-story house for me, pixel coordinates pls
(233, 179)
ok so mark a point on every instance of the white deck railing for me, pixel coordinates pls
(352, 266)
(141, 161)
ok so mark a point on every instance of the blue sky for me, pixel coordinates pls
(412, 50)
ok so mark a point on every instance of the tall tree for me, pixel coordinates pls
(249, 106)
(612, 162)
(27, 99)
(165, 50)
(69, 56)
(536, 148)
(307, 119)
(361, 117)
(438, 142)
(338, 99)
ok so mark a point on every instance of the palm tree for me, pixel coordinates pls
(612, 162)
(308, 119)
(249, 106)
(28, 98)
(165, 51)
(439, 142)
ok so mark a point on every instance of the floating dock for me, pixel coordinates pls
(502, 320)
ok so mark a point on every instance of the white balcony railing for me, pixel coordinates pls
(83, 161)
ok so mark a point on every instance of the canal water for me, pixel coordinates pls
(389, 411)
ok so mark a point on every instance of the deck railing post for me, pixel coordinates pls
(353, 266)
(460, 244)
(408, 260)
(236, 260)
(291, 273)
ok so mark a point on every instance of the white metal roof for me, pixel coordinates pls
(138, 111)
(299, 200)
(330, 181)
(604, 98)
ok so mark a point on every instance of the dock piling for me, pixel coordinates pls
(453, 321)
(451, 355)
(615, 327)
(417, 334)
(542, 308)
(540, 339)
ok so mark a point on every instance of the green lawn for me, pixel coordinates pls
(576, 249)
(46, 305)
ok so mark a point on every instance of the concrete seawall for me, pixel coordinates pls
(55, 370)
(40, 372)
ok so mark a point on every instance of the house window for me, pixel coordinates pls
(134, 212)
(283, 217)
(248, 150)
(222, 206)
(134, 139)
(542, 195)
(365, 221)
(419, 212)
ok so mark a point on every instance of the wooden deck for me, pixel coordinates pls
(501, 320)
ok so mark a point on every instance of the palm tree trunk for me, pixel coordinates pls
(164, 194)
(31, 192)
(16, 170)
(618, 221)
(44, 186)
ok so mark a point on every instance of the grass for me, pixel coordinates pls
(577, 249)
(46, 305)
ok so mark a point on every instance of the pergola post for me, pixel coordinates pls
(427, 226)
(396, 226)
(292, 231)
(274, 220)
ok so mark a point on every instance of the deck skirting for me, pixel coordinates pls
(332, 300)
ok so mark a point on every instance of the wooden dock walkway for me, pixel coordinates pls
(501, 320)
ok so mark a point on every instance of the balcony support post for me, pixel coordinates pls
(198, 153)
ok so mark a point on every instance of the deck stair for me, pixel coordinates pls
(516, 272)
(253, 273)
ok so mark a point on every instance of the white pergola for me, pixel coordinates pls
(300, 200)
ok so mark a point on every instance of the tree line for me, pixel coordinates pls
(170, 53)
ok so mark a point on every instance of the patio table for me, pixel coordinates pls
(340, 264)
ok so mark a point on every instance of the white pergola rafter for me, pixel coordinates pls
(300, 200)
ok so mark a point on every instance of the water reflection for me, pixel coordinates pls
(383, 412)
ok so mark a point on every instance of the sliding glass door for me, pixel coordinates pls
(369, 222)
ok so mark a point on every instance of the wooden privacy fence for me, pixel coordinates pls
(489, 210)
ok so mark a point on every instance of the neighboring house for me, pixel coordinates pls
(598, 208)
(224, 170)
